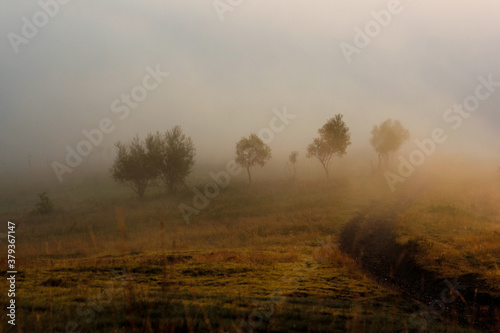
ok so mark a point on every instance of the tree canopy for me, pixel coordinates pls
(334, 138)
(252, 151)
(172, 153)
(133, 167)
(388, 138)
(168, 157)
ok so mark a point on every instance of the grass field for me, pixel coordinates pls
(263, 258)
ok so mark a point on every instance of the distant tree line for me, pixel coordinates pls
(168, 158)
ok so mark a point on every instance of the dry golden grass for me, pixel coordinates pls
(460, 226)
(246, 245)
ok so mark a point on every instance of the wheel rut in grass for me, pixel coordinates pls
(370, 239)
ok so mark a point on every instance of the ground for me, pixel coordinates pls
(271, 257)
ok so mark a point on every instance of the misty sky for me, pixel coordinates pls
(226, 77)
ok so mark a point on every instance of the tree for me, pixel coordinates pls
(334, 138)
(45, 206)
(387, 138)
(173, 155)
(251, 151)
(292, 160)
(133, 166)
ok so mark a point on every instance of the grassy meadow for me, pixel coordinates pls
(268, 258)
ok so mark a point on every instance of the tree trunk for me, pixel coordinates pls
(249, 176)
(171, 187)
(327, 171)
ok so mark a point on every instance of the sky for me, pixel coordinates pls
(230, 69)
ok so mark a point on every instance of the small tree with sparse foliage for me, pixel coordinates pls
(252, 151)
(386, 139)
(44, 206)
(292, 160)
(172, 154)
(334, 138)
(133, 166)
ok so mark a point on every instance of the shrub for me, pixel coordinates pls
(45, 206)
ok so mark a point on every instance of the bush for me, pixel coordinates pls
(45, 206)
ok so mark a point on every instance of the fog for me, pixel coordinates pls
(228, 78)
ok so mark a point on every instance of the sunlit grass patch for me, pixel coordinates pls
(271, 247)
